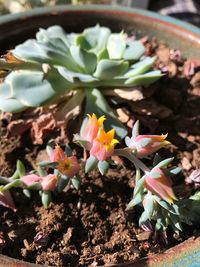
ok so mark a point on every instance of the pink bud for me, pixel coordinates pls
(159, 184)
(92, 127)
(145, 145)
(6, 200)
(57, 154)
(30, 179)
(49, 182)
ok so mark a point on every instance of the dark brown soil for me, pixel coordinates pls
(91, 227)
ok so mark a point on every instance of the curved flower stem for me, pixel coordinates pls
(127, 153)
(5, 180)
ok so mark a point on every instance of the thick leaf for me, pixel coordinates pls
(11, 105)
(46, 198)
(116, 45)
(134, 50)
(76, 77)
(144, 79)
(93, 38)
(53, 32)
(108, 69)
(164, 163)
(91, 164)
(62, 183)
(86, 60)
(140, 67)
(95, 103)
(135, 201)
(103, 167)
(149, 205)
(30, 89)
(76, 182)
(135, 130)
(21, 168)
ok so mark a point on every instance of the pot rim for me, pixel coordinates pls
(54, 10)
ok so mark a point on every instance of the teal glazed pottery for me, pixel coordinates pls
(15, 29)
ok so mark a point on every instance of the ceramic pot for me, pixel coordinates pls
(15, 29)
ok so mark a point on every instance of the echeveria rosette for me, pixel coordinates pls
(45, 69)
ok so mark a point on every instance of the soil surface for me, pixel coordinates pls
(90, 227)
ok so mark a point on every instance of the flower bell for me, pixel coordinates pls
(57, 154)
(145, 145)
(49, 182)
(92, 127)
(159, 184)
(68, 166)
(103, 146)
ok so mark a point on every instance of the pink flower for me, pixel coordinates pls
(145, 145)
(30, 179)
(49, 182)
(57, 154)
(103, 146)
(92, 127)
(159, 184)
(69, 166)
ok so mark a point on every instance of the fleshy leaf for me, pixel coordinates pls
(134, 50)
(103, 166)
(46, 198)
(91, 164)
(76, 182)
(108, 69)
(116, 45)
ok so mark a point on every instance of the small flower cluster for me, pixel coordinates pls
(153, 185)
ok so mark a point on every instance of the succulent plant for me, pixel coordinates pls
(42, 71)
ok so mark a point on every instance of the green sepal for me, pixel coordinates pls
(14, 183)
(137, 199)
(49, 164)
(76, 182)
(68, 150)
(21, 168)
(164, 163)
(62, 183)
(91, 164)
(103, 167)
(46, 198)
(27, 193)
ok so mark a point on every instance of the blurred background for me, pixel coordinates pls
(187, 10)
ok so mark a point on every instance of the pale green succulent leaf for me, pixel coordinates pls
(137, 199)
(5, 91)
(108, 69)
(11, 105)
(140, 67)
(144, 79)
(91, 164)
(86, 60)
(103, 166)
(164, 162)
(93, 38)
(53, 32)
(31, 89)
(76, 182)
(134, 50)
(116, 45)
(75, 77)
(135, 130)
